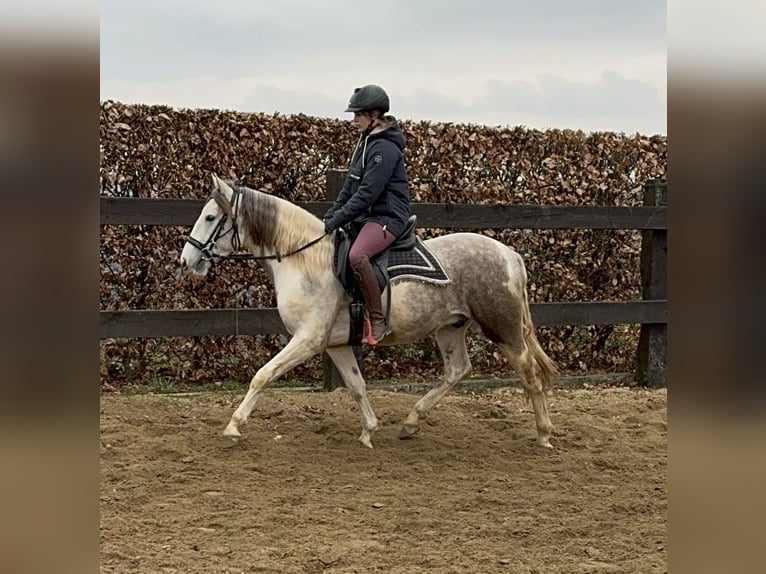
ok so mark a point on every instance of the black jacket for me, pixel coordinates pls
(376, 187)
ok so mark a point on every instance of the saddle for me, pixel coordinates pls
(405, 257)
(344, 238)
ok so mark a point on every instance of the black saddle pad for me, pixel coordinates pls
(414, 262)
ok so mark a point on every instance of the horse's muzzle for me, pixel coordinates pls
(200, 269)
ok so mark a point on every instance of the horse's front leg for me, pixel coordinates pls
(300, 348)
(345, 361)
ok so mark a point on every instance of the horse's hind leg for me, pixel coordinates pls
(295, 352)
(525, 365)
(457, 365)
(345, 361)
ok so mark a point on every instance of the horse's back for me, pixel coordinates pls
(466, 254)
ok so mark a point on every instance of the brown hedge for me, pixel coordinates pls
(156, 151)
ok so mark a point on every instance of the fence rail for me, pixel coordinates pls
(149, 323)
(650, 312)
(140, 211)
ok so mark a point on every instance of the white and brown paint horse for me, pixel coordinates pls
(488, 287)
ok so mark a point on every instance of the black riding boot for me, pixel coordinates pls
(377, 328)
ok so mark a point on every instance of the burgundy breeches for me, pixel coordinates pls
(372, 239)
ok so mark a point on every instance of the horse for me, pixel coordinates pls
(487, 286)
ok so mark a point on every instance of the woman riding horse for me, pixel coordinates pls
(376, 194)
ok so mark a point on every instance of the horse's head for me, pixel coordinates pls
(215, 233)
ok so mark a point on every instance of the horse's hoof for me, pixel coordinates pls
(231, 436)
(229, 441)
(545, 442)
(408, 431)
(365, 440)
(232, 430)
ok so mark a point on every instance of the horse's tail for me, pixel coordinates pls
(548, 369)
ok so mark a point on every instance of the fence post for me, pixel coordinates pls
(332, 379)
(653, 340)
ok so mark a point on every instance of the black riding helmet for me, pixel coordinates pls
(369, 97)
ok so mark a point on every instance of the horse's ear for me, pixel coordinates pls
(221, 186)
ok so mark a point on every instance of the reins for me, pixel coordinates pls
(277, 256)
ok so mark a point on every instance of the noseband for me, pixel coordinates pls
(218, 231)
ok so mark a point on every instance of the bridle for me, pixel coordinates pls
(218, 232)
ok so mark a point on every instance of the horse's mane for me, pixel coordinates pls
(278, 226)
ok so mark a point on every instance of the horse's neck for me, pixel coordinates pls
(295, 223)
(294, 228)
(263, 216)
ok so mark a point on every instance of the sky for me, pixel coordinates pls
(591, 65)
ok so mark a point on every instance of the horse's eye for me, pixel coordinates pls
(210, 217)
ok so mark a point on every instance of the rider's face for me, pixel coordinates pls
(362, 120)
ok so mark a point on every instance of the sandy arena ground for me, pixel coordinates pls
(299, 494)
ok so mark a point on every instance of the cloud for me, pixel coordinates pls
(269, 98)
(588, 63)
(427, 104)
(145, 39)
(613, 94)
(613, 103)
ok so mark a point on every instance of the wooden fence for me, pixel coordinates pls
(650, 312)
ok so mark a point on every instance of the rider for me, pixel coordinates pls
(376, 194)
